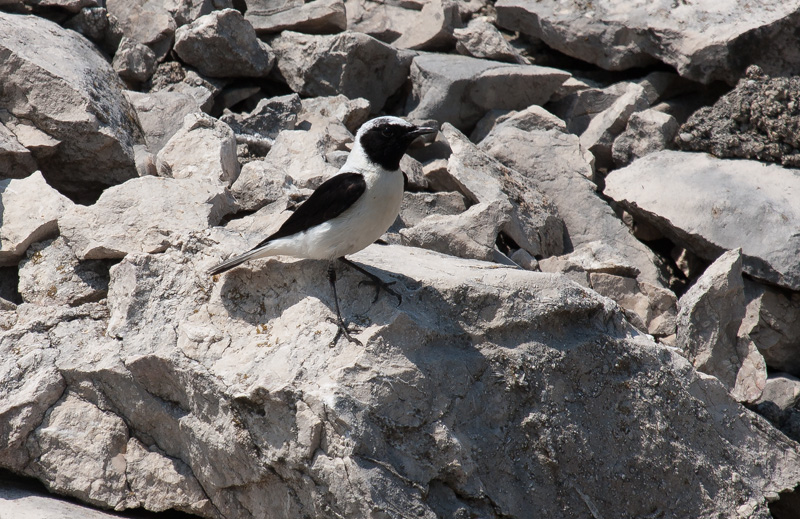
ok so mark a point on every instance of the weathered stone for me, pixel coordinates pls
(773, 323)
(187, 11)
(173, 77)
(703, 42)
(460, 90)
(303, 155)
(385, 21)
(555, 164)
(481, 39)
(92, 22)
(709, 317)
(143, 21)
(40, 145)
(756, 120)
(352, 113)
(781, 394)
(652, 308)
(72, 6)
(316, 16)
(134, 62)
(418, 206)
(124, 221)
(259, 128)
(648, 131)
(52, 275)
(432, 28)
(30, 212)
(531, 220)
(161, 114)
(83, 105)
(352, 64)
(223, 44)
(532, 118)
(16, 160)
(204, 148)
(708, 205)
(259, 184)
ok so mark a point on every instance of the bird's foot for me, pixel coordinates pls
(343, 331)
(379, 285)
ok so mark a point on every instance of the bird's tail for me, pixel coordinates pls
(238, 260)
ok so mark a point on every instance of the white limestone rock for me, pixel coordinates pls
(647, 131)
(161, 114)
(315, 16)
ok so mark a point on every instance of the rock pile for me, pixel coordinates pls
(592, 324)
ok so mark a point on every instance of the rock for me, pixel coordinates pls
(647, 131)
(781, 394)
(259, 128)
(83, 107)
(425, 426)
(708, 205)
(123, 221)
(204, 148)
(16, 160)
(40, 145)
(578, 108)
(161, 114)
(72, 6)
(258, 185)
(432, 28)
(144, 22)
(460, 90)
(772, 321)
(383, 21)
(173, 77)
(756, 120)
(187, 11)
(352, 64)
(418, 206)
(316, 16)
(481, 39)
(52, 275)
(223, 44)
(92, 22)
(702, 42)
(30, 212)
(134, 62)
(709, 317)
(532, 118)
(554, 163)
(530, 219)
(352, 113)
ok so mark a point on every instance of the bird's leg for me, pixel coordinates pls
(339, 321)
(374, 280)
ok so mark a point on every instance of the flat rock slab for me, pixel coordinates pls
(317, 16)
(704, 41)
(83, 105)
(710, 205)
(461, 89)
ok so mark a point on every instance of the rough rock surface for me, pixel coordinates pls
(161, 114)
(83, 107)
(350, 63)
(223, 44)
(316, 16)
(773, 322)
(144, 22)
(30, 212)
(708, 205)
(759, 119)
(647, 131)
(460, 89)
(432, 28)
(481, 39)
(709, 317)
(704, 42)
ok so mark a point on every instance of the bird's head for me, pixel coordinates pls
(384, 140)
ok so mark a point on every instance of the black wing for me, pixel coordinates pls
(328, 201)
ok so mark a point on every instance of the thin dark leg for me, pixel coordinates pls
(339, 321)
(375, 280)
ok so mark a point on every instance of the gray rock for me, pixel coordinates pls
(647, 131)
(532, 118)
(143, 21)
(709, 316)
(756, 120)
(385, 21)
(30, 212)
(223, 44)
(40, 145)
(258, 185)
(460, 90)
(259, 128)
(413, 431)
(417, 206)
(432, 28)
(481, 39)
(352, 64)
(772, 321)
(203, 148)
(92, 22)
(187, 11)
(316, 16)
(352, 113)
(72, 6)
(52, 275)
(703, 42)
(172, 76)
(303, 155)
(134, 62)
(16, 160)
(579, 107)
(161, 114)
(555, 164)
(781, 394)
(123, 221)
(709, 205)
(83, 107)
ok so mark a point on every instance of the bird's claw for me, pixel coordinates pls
(343, 331)
(382, 285)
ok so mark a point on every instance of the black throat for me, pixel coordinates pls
(384, 152)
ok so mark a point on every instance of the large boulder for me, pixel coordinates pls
(68, 90)
(710, 205)
(316, 16)
(704, 42)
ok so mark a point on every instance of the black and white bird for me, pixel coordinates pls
(350, 210)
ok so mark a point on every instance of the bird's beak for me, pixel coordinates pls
(421, 130)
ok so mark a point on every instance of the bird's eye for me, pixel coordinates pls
(387, 132)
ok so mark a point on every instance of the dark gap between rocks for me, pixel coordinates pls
(787, 506)
(9, 285)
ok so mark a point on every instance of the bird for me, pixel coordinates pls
(350, 210)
